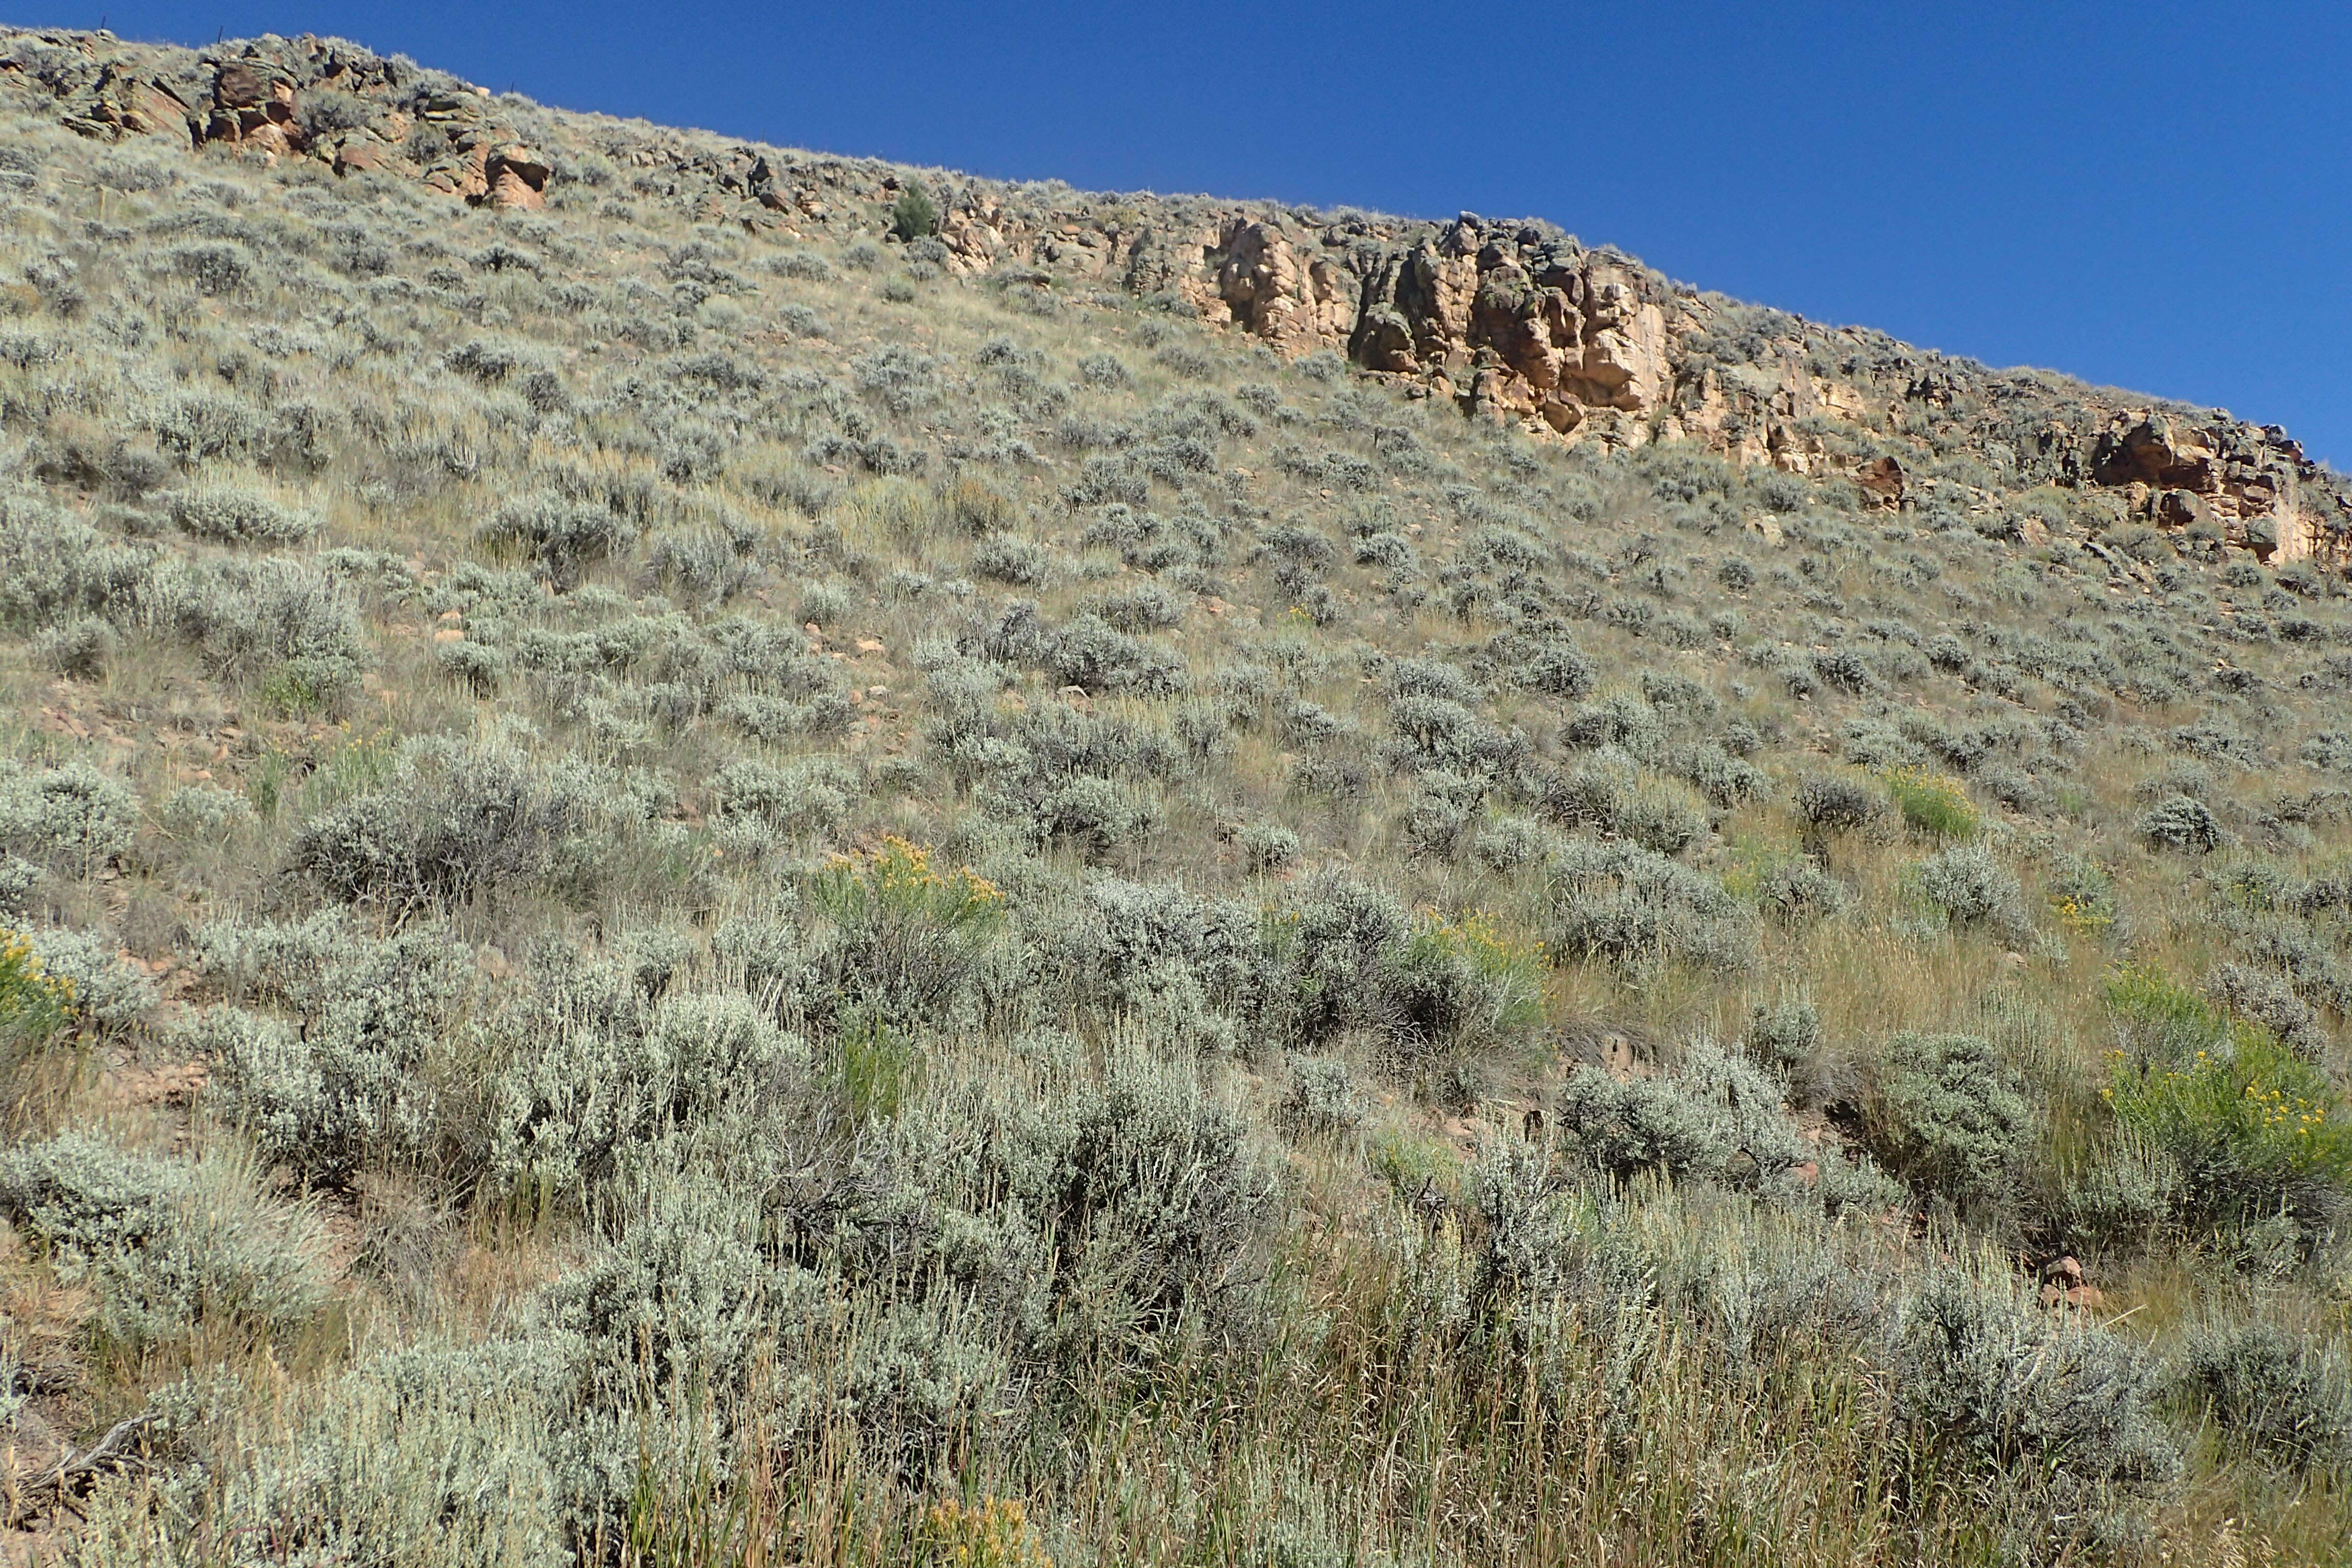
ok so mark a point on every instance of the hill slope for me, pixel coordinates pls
(1125, 878)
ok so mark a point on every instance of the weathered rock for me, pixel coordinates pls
(515, 176)
(2153, 449)
(358, 154)
(1882, 478)
(1261, 284)
(122, 103)
(253, 107)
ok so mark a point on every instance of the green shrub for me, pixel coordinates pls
(2121, 1200)
(80, 648)
(1716, 1116)
(1784, 1032)
(2250, 1125)
(1470, 979)
(1443, 807)
(2082, 894)
(1934, 804)
(1090, 652)
(1332, 947)
(1096, 816)
(1010, 558)
(1267, 845)
(914, 215)
(1154, 1196)
(412, 1459)
(35, 1006)
(563, 539)
(277, 620)
(204, 814)
(1612, 795)
(808, 797)
(1794, 890)
(907, 937)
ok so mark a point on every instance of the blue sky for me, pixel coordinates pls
(2153, 196)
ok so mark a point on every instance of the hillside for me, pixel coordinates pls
(714, 855)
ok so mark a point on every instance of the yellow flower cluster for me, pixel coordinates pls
(899, 866)
(2256, 1099)
(32, 1000)
(897, 879)
(993, 1533)
(1480, 936)
(2274, 1108)
(2081, 916)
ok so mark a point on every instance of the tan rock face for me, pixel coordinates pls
(1264, 286)
(124, 103)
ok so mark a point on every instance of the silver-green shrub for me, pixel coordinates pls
(71, 817)
(1954, 1120)
(1632, 906)
(579, 1093)
(109, 990)
(2050, 1419)
(165, 1243)
(229, 514)
(2282, 1391)
(1965, 886)
(203, 813)
(353, 1083)
(453, 821)
(1323, 1096)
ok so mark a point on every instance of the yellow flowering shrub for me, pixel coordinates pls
(33, 1004)
(897, 878)
(909, 934)
(2240, 1113)
(993, 1533)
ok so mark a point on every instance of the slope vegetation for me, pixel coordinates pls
(717, 856)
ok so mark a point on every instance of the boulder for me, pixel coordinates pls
(2153, 449)
(2063, 1289)
(1881, 479)
(515, 176)
(360, 153)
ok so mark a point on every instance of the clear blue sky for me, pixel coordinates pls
(2154, 195)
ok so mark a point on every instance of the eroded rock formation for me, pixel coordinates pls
(1512, 320)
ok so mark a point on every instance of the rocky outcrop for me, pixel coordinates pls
(275, 97)
(1510, 320)
(1262, 283)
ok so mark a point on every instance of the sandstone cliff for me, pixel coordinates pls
(1513, 321)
